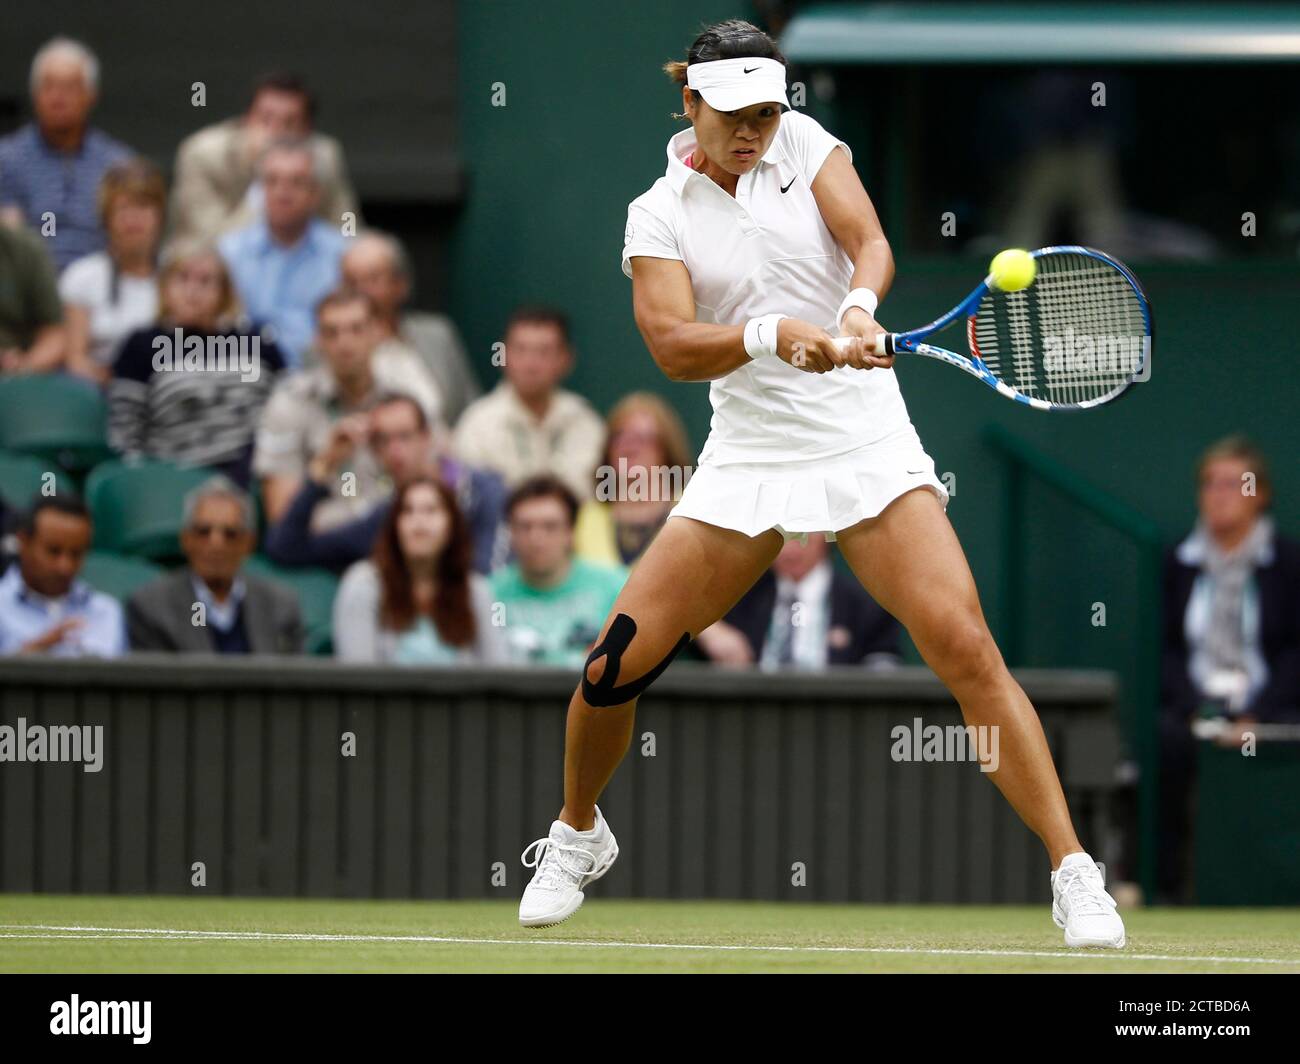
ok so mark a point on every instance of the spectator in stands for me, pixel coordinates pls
(44, 606)
(376, 263)
(32, 336)
(50, 168)
(803, 613)
(287, 260)
(109, 294)
(528, 424)
(401, 439)
(323, 413)
(191, 388)
(646, 464)
(392, 359)
(554, 603)
(211, 605)
(1231, 629)
(216, 187)
(416, 601)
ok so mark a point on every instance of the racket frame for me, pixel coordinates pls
(912, 341)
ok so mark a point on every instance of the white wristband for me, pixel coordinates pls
(859, 297)
(760, 335)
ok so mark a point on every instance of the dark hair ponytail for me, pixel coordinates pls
(733, 39)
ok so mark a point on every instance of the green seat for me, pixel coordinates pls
(22, 478)
(54, 417)
(315, 590)
(137, 506)
(118, 574)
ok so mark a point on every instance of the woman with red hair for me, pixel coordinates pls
(416, 599)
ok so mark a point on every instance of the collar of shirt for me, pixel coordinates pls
(46, 148)
(319, 384)
(220, 615)
(555, 409)
(264, 244)
(13, 585)
(1196, 547)
(684, 143)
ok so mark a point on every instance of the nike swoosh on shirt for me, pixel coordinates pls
(750, 70)
(792, 181)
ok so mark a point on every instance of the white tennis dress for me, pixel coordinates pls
(799, 452)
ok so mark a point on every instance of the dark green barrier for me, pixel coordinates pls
(753, 778)
(1248, 825)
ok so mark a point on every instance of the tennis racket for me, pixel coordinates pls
(1076, 337)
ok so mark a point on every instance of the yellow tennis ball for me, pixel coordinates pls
(1013, 269)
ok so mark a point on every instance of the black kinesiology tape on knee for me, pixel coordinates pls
(604, 691)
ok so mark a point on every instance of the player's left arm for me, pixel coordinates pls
(851, 217)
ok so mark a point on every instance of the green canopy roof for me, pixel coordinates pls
(1042, 33)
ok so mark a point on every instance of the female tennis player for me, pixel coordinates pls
(757, 246)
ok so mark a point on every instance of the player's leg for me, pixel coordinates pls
(688, 578)
(909, 559)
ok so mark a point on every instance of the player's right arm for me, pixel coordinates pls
(688, 350)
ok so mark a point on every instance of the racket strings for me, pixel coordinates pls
(1075, 336)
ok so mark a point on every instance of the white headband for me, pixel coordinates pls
(730, 84)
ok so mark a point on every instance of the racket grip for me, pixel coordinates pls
(884, 343)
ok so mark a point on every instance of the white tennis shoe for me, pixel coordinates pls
(1082, 907)
(566, 861)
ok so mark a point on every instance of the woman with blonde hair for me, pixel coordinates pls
(645, 465)
(109, 294)
(1231, 640)
(190, 388)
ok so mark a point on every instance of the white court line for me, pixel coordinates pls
(180, 935)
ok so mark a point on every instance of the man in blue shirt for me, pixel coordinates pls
(50, 169)
(44, 607)
(287, 261)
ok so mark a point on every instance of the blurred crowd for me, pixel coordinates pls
(245, 324)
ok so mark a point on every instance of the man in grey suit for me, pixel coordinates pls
(210, 606)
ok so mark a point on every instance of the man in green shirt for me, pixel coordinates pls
(31, 317)
(554, 604)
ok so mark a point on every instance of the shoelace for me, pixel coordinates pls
(1083, 892)
(550, 864)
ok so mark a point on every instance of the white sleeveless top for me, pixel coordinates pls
(763, 251)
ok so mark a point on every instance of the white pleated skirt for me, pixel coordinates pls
(810, 495)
